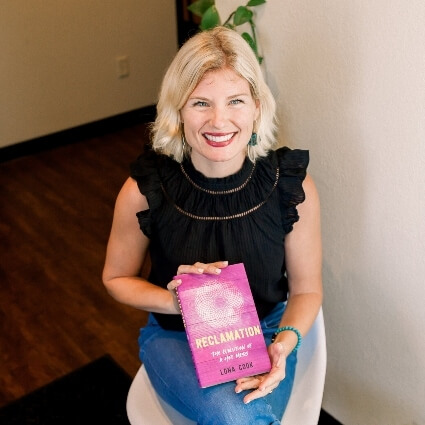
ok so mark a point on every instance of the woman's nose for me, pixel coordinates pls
(218, 117)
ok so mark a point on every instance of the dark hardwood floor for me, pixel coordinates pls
(55, 215)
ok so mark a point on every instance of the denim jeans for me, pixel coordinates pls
(168, 362)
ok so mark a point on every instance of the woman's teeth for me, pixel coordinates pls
(218, 139)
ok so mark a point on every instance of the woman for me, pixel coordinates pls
(212, 192)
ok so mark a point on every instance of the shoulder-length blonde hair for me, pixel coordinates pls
(208, 51)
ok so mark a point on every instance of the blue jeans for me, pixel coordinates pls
(168, 362)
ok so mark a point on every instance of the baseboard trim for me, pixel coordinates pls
(72, 135)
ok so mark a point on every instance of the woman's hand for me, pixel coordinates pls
(171, 286)
(265, 384)
(197, 268)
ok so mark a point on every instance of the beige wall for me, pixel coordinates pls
(58, 68)
(349, 78)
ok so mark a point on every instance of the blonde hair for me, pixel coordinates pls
(208, 51)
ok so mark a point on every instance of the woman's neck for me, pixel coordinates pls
(218, 169)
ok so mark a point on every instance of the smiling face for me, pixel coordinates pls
(218, 120)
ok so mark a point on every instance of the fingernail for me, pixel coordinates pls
(217, 271)
(201, 270)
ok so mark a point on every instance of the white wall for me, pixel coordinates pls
(58, 66)
(350, 81)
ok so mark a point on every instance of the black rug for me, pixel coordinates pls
(94, 394)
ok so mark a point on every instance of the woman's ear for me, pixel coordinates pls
(257, 109)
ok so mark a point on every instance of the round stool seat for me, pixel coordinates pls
(145, 407)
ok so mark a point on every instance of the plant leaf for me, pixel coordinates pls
(229, 25)
(255, 2)
(253, 45)
(242, 15)
(199, 7)
(210, 19)
(250, 41)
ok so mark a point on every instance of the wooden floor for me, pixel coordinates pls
(55, 215)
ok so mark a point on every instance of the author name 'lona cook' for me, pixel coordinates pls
(227, 336)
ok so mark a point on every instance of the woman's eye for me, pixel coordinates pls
(200, 103)
(236, 101)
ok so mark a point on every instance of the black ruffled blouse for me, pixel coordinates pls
(240, 218)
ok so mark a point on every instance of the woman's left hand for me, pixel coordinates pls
(265, 384)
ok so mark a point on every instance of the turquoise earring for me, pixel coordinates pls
(253, 140)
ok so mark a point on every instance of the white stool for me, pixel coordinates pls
(145, 407)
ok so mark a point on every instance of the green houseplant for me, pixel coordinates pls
(207, 11)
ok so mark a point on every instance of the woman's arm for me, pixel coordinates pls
(303, 253)
(125, 254)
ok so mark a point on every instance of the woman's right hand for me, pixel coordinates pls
(197, 268)
(171, 286)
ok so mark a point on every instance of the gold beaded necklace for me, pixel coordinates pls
(229, 217)
(218, 192)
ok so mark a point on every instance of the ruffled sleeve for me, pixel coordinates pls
(145, 171)
(293, 169)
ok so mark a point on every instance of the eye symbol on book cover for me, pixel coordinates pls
(219, 303)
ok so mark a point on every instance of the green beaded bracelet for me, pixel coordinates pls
(289, 328)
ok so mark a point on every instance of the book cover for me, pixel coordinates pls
(222, 326)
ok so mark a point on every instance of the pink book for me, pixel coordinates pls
(222, 326)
